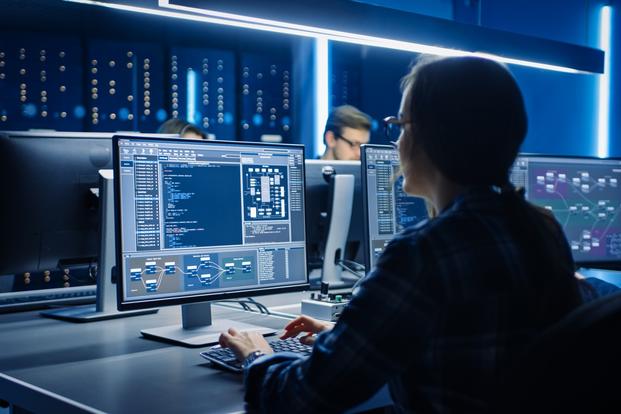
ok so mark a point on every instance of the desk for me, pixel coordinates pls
(53, 366)
(47, 365)
(610, 276)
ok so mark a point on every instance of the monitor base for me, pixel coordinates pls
(90, 314)
(203, 335)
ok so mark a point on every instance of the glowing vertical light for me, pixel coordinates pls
(322, 91)
(191, 96)
(603, 107)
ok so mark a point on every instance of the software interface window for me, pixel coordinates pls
(389, 208)
(584, 196)
(210, 218)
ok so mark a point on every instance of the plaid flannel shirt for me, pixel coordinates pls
(450, 304)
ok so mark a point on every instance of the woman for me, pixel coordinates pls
(453, 300)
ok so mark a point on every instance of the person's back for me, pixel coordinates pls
(490, 286)
(452, 302)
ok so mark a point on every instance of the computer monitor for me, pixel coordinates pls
(49, 214)
(320, 197)
(584, 194)
(199, 221)
(388, 209)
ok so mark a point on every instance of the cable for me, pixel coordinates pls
(244, 304)
(349, 269)
(260, 306)
(359, 267)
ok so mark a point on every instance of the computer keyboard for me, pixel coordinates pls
(38, 298)
(225, 358)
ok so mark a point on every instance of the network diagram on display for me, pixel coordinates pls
(585, 204)
(204, 273)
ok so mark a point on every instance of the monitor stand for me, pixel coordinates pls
(105, 303)
(198, 328)
(340, 217)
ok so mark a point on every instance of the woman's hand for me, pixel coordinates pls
(244, 343)
(307, 325)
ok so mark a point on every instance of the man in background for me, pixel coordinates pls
(346, 129)
(182, 128)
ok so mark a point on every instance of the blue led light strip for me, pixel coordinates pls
(322, 92)
(190, 115)
(603, 107)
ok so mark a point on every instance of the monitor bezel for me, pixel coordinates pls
(21, 141)
(365, 201)
(598, 264)
(123, 304)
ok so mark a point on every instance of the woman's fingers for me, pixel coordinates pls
(308, 339)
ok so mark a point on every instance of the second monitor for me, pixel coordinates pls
(388, 209)
(335, 230)
(583, 194)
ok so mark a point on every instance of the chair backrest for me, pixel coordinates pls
(575, 366)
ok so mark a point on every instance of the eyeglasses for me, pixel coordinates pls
(351, 143)
(393, 127)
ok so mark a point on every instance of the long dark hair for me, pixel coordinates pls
(469, 115)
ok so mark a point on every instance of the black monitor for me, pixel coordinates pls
(584, 194)
(387, 208)
(49, 213)
(199, 221)
(319, 202)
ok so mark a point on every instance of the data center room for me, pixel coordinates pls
(187, 181)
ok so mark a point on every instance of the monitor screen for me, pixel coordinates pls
(51, 180)
(207, 220)
(51, 212)
(584, 195)
(387, 207)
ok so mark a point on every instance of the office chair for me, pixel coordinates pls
(575, 366)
